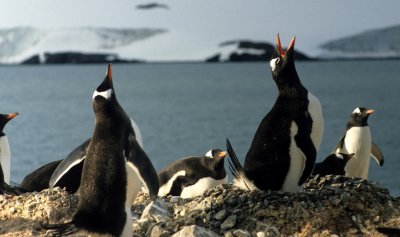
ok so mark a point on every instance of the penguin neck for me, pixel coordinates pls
(291, 87)
(213, 163)
(353, 123)
(5, 158)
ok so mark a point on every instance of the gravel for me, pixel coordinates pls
(328, 206)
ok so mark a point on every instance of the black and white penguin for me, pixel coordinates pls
(284, 149)
(191, 176)
(113, 172)
(5, 156)
(65, 173)
(357, 139)
(333, 164)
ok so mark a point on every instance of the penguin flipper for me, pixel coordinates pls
(339, 146)
(179, 184)
(73, 159)
(64, 229)
(145, 170)
(377, 154)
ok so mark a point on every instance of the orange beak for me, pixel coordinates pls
(109, 72)
(10, 116)
(370, 111)
(279, 44)
(222, 154)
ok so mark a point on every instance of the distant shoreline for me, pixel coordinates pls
(200, 61)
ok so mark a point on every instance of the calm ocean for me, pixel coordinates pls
(187, 109)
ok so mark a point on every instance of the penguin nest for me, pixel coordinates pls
(329, 205)
(22, 215)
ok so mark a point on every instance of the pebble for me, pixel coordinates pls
(229, 222)
(348, 204)
(220, 215)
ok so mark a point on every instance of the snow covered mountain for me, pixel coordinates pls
(24, 43)
(378, 43)
(98, 45)
(247, 50)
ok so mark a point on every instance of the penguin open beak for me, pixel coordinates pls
(279, 46)
(11, 116)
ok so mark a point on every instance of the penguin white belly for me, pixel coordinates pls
(201, 186)
(5, 158)
(315, 110)
(358, 141)
(297, 164)
(166, 188)
(133, 186)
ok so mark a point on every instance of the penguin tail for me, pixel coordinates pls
(58, 230)
(240, 180)
(389, 231)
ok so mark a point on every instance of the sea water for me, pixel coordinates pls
(186, 109)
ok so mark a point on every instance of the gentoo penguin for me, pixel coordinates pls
(284, 149)
(191, 176)
(114, 168)
(64, 173)
(357, 139)
(5, 156)
(332, 164)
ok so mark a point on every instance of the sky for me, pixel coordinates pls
(313, 22)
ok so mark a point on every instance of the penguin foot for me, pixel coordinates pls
(57, 230)
(7, 189)
(389, 231)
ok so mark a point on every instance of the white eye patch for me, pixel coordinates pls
(340, 156)
(209, 154)
(357, 111)
(105, 94)
(273, 62)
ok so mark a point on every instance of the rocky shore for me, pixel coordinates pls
(329, 206)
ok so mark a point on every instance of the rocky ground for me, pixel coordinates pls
(329, 206)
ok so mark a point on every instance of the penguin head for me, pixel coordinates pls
(4, 118)
(104, 95)
(359, 117)
(283, 68)
(215, 159)
(343, 158)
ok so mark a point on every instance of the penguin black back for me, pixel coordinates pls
(283, 151)
(103, 172)
(113, 170)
